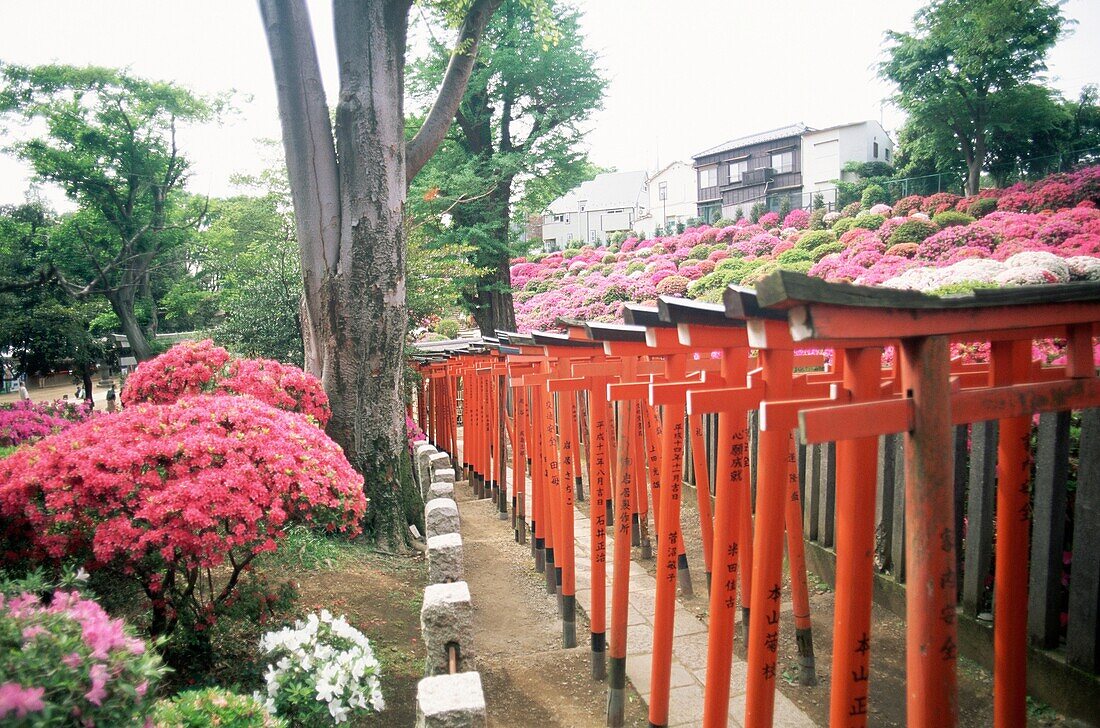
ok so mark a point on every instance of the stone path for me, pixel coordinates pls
(689, 646)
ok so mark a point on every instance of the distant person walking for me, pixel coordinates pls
(23, 393)
(111, 407)
(80, 391)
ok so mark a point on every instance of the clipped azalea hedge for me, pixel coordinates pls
(866, 244)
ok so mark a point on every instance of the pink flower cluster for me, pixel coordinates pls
(192, 368)
(185, 485)
(74, 661)
(1057, 215)
(25, 421)
(187, 368)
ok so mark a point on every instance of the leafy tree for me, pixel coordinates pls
(110, 144)
(1030, 144)
(349, 213)
(515, 140)
(1082, 142)
(41, 326)
(958, 70)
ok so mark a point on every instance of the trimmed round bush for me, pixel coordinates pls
(814, 238)
(796, 255)
(852, 209)
(817, 219)
(674, 285)
(948, 218)
(829, 248)
(843, 225)
(869, 221)
(874, 195)
(912, 231)
(982, 207)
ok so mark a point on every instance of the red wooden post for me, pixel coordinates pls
(931, 639)
(1011, 364)
(620, 585)
(772, 489)
(856, 462)
(702, 491)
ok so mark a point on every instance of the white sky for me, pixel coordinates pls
(684, 75)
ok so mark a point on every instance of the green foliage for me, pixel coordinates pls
(866, 175)
(817, 219)
(843, 225)
(912, 231)
(948, 218)
(42, 326)
(818, 202)
(828, 249)
(796, 255)
(784, 208)
(873, 194)
(247, 259)
(491, 170)
(213, 708)
(815, 238)
(867, 221)
(109, 142)
(981, 207)
(448, 327)
(756, 211)
(962, 70)
(962, 288)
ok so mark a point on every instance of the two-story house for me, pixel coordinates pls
(607, 204)
(792, 162)
(672, 199)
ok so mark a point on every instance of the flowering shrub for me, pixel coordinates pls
(25, 421)
(1056, 216)
(166, 492)
(187, 368)
(321, 671)
(673, 286)
(284, 386)
(213, 707)
(797, 218)
(769, 219)
(68, 663)
(191, 368)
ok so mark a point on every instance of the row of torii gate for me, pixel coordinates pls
(649, 381)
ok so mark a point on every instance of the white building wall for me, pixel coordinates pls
(679, 204)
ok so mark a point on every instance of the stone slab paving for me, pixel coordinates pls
(689, 646)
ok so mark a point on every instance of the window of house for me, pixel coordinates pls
(737, 169)
(886, 151)
(875, 151)
(662, 191)
(783, 162)
(708, 177)
(559, 218)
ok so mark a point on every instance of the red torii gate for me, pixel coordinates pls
(930, 405)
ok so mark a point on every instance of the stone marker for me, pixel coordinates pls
(445, 558)
(450, 701)
(446, 617)
(439, 461)
(444, 475)
(422, 469)
(441, 490)
(440, 516)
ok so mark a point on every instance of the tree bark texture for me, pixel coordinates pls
(349, 196)
(122, 303)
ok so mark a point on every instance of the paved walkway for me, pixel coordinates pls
(689, 645)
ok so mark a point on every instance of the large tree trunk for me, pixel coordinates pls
(122, 303)
(363, 317)
(349, 217)
(493, 308)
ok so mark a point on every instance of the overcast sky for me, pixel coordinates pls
(684, 74)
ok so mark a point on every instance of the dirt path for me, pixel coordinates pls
(528, 678)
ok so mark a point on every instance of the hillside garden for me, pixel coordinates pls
(1045, 232)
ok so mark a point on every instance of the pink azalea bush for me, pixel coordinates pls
(25, 421)
(197, 367)
(1057, 216)
(162, 493)
(67, 662)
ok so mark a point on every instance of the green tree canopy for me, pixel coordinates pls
(514, 145)
(110, 143)
(959, 73)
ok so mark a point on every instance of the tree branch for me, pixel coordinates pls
(422, 146)
(307, 133)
